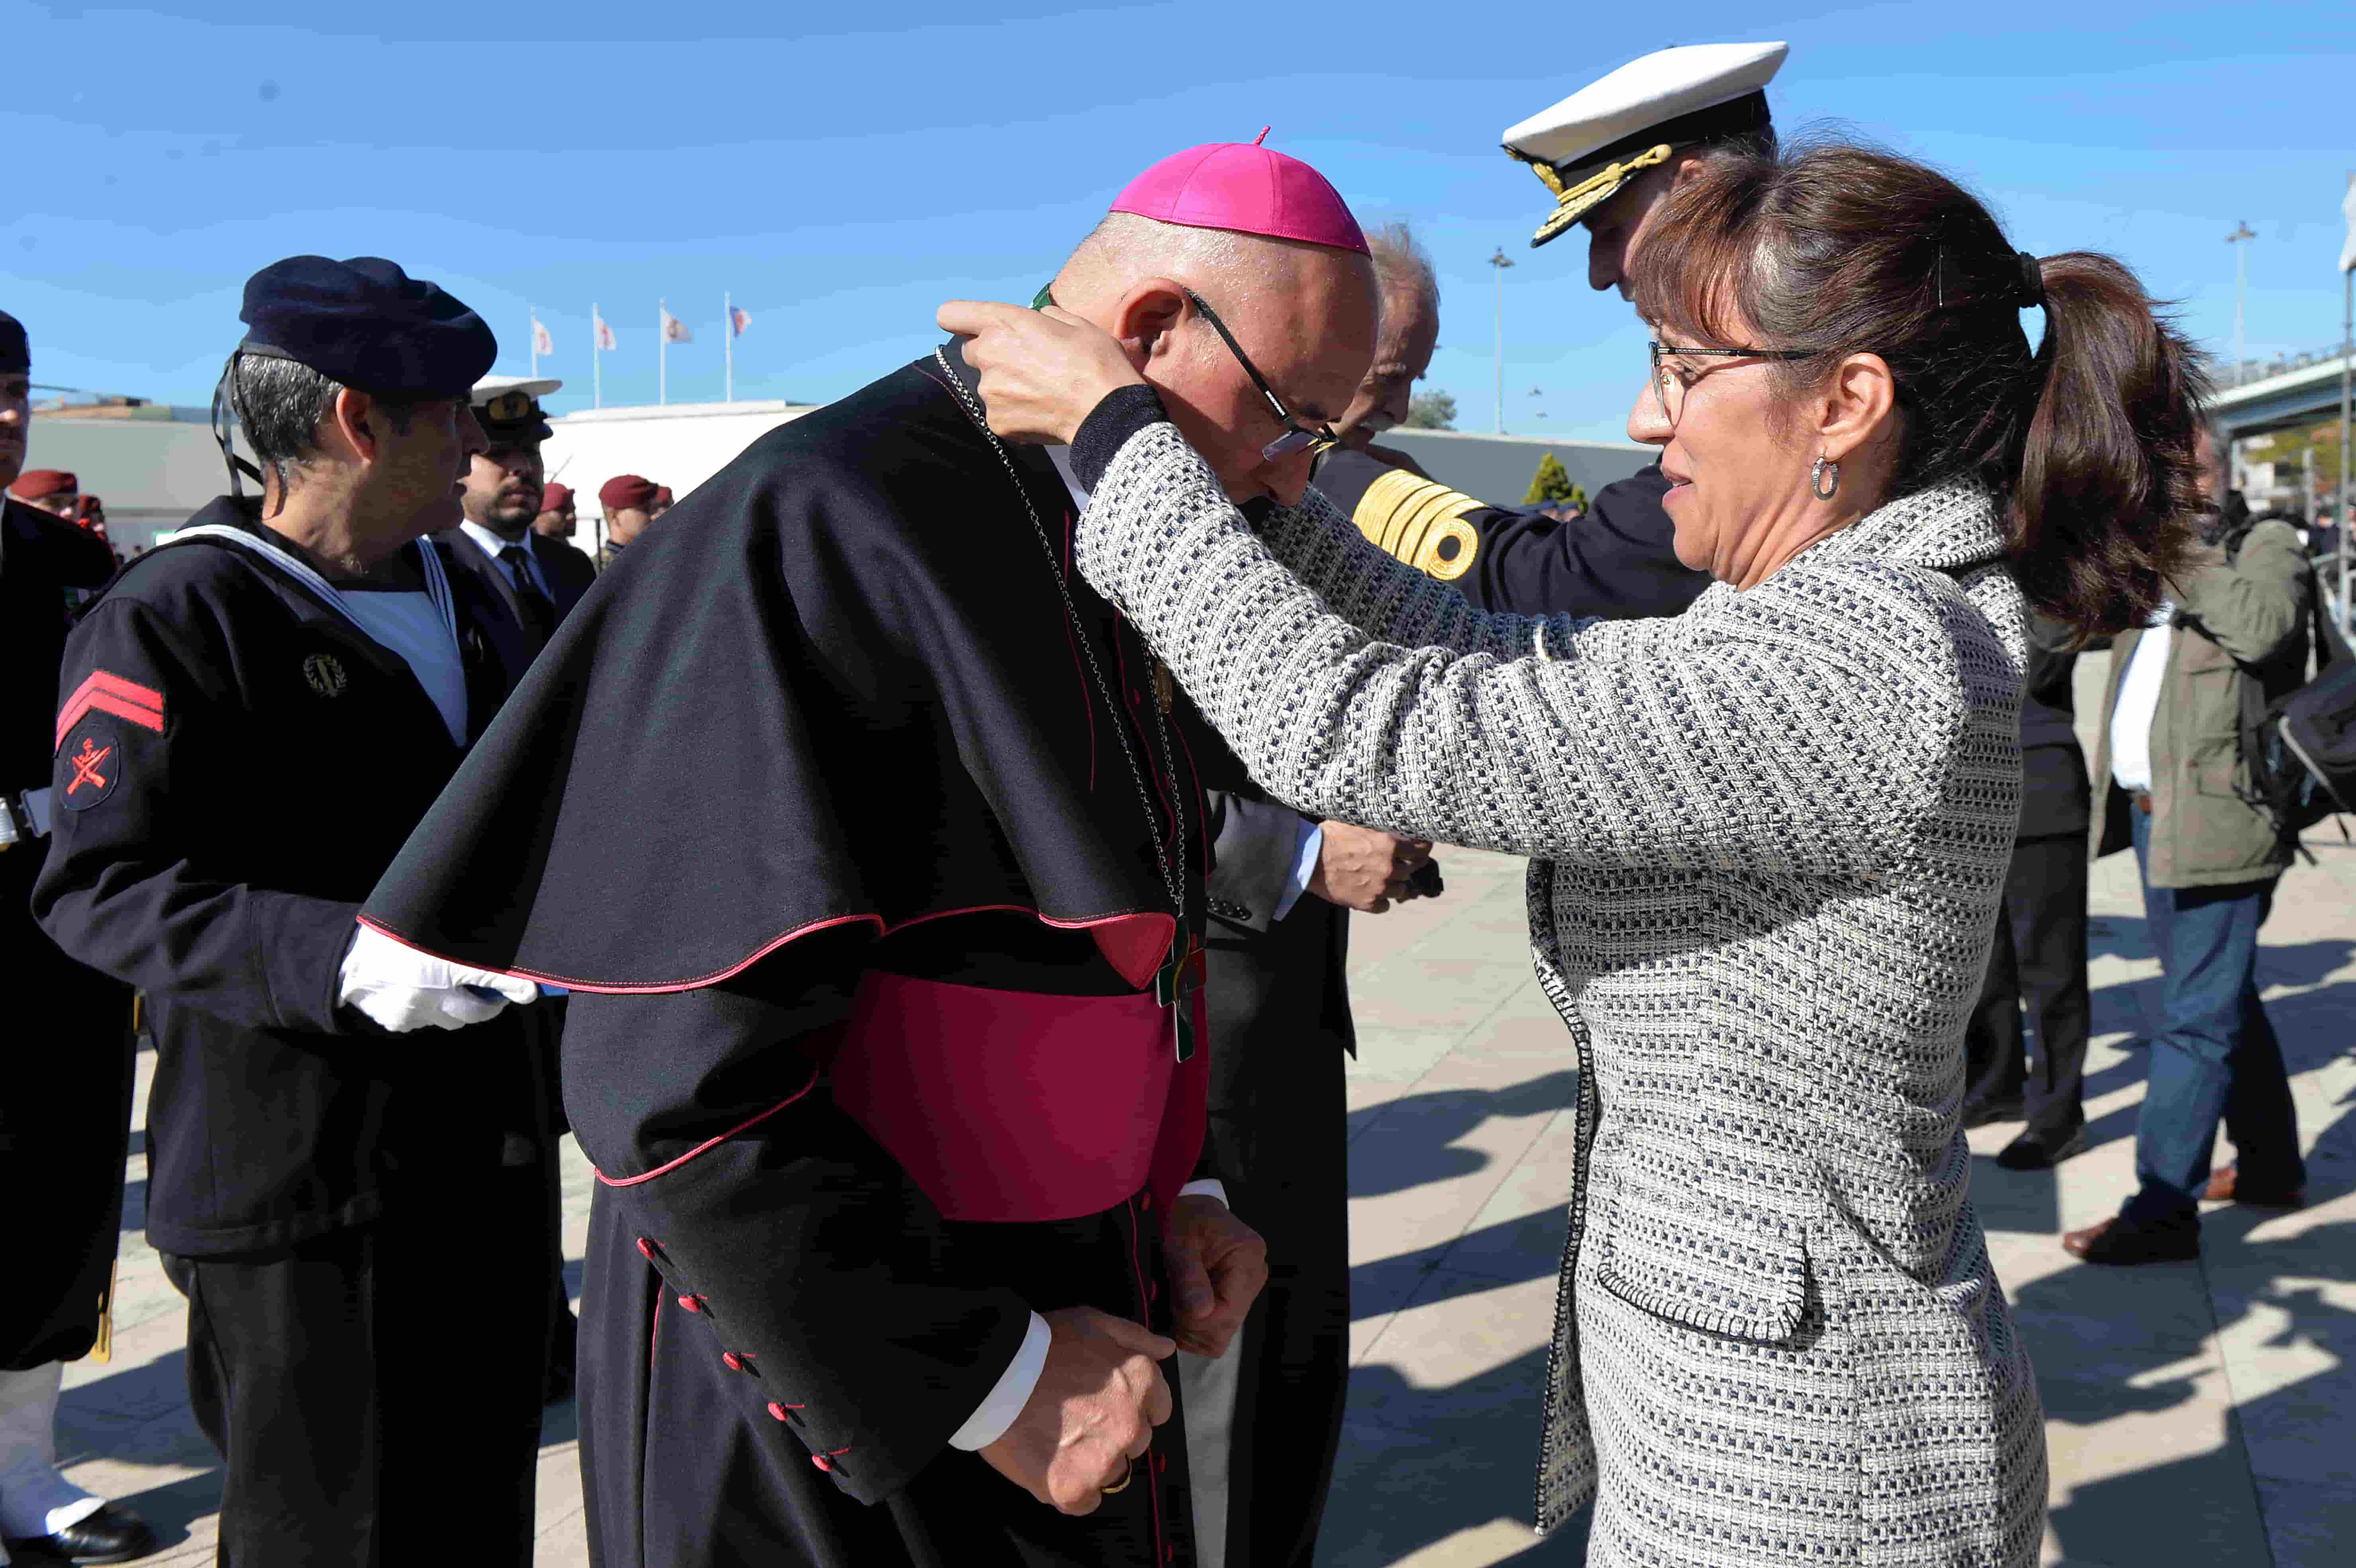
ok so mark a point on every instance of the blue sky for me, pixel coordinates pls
(842, 177)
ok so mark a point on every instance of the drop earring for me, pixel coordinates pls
(1819, 471)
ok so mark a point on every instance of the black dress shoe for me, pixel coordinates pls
(111, 1535)
(2123, 1243)
(1980, 1112)
(2030, 1152)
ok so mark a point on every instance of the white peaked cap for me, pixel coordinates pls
(1588, 145)
(490, 386)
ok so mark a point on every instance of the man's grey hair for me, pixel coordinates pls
(1402, 266)
(281, 404)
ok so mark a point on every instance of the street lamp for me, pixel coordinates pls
(1500, 262)
(2239, 238)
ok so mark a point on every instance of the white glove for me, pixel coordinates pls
(403, 989)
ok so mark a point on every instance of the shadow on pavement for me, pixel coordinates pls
(2196, 1509)
(1410, 1140)
(1420, 1466)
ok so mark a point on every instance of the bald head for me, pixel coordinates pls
(1304, 314)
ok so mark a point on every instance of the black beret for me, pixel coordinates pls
(368, 325)
(14, 355)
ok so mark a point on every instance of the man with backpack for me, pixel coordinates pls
(2181, 791)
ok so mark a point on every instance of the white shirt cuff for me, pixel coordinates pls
(1305, 850)
(989, 1423)
(1209, 1187)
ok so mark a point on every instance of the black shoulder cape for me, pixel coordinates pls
(835, 684)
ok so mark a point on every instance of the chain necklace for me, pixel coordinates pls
(1171, 986)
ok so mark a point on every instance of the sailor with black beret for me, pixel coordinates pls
(251, 719)
(1606, 156)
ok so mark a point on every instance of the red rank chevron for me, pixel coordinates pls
(111, 694)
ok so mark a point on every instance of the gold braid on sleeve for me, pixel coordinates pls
(1421, 522)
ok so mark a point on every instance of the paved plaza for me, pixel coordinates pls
(2197, 1413)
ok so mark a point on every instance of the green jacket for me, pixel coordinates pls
(2240, 620)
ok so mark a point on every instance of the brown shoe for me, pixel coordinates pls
(2118, 1241)
(2225, 1187)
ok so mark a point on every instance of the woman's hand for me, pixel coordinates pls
(1043, 371)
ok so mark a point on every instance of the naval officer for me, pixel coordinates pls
(252, 718)
(1606, 154)
(495, 544)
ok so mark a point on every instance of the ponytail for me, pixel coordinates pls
(2087, 442)
(2104, 506)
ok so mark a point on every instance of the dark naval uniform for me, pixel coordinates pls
(522, 620)
(65, 1089)
(858, 854)
(1618, 561)
(365, 1259)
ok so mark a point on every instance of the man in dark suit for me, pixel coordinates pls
(518, 585)
(2040, 953)
(496, 547)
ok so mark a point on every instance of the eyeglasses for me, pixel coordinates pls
(1316, 439)
(1669, 388)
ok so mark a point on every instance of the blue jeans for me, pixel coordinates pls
(2215, 1058)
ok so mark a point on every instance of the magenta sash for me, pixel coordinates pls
(1015, 1106)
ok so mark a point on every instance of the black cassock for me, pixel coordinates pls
(837, 826)
(64, 1083)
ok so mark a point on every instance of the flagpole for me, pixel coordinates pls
(596, 362)
(534, 332)
(728, 337)
(662, 353)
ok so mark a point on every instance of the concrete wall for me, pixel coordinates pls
(1498, 468)
(152, 473)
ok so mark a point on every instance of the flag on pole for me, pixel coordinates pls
(541, 343)
(673, 329)
(604, 333)
(2348, 206)
(737, 321)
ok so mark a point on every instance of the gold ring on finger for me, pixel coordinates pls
(1128, 1474)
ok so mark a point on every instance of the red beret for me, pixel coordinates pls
(555, 497)
(662, 495)
(35, 482)
(626, 490)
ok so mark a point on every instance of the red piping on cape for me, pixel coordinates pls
(882, 929)
(109, 693)
(708, 1145)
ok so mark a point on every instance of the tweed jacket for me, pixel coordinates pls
(1767, 838)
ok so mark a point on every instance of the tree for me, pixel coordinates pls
(1431, 410)
(1550, 483)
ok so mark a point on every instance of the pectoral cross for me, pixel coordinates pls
(1180, 977)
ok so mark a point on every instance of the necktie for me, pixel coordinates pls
(538, 614)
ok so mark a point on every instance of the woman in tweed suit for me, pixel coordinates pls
(1767, 837)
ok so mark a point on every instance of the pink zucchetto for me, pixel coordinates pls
(1245, 188)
